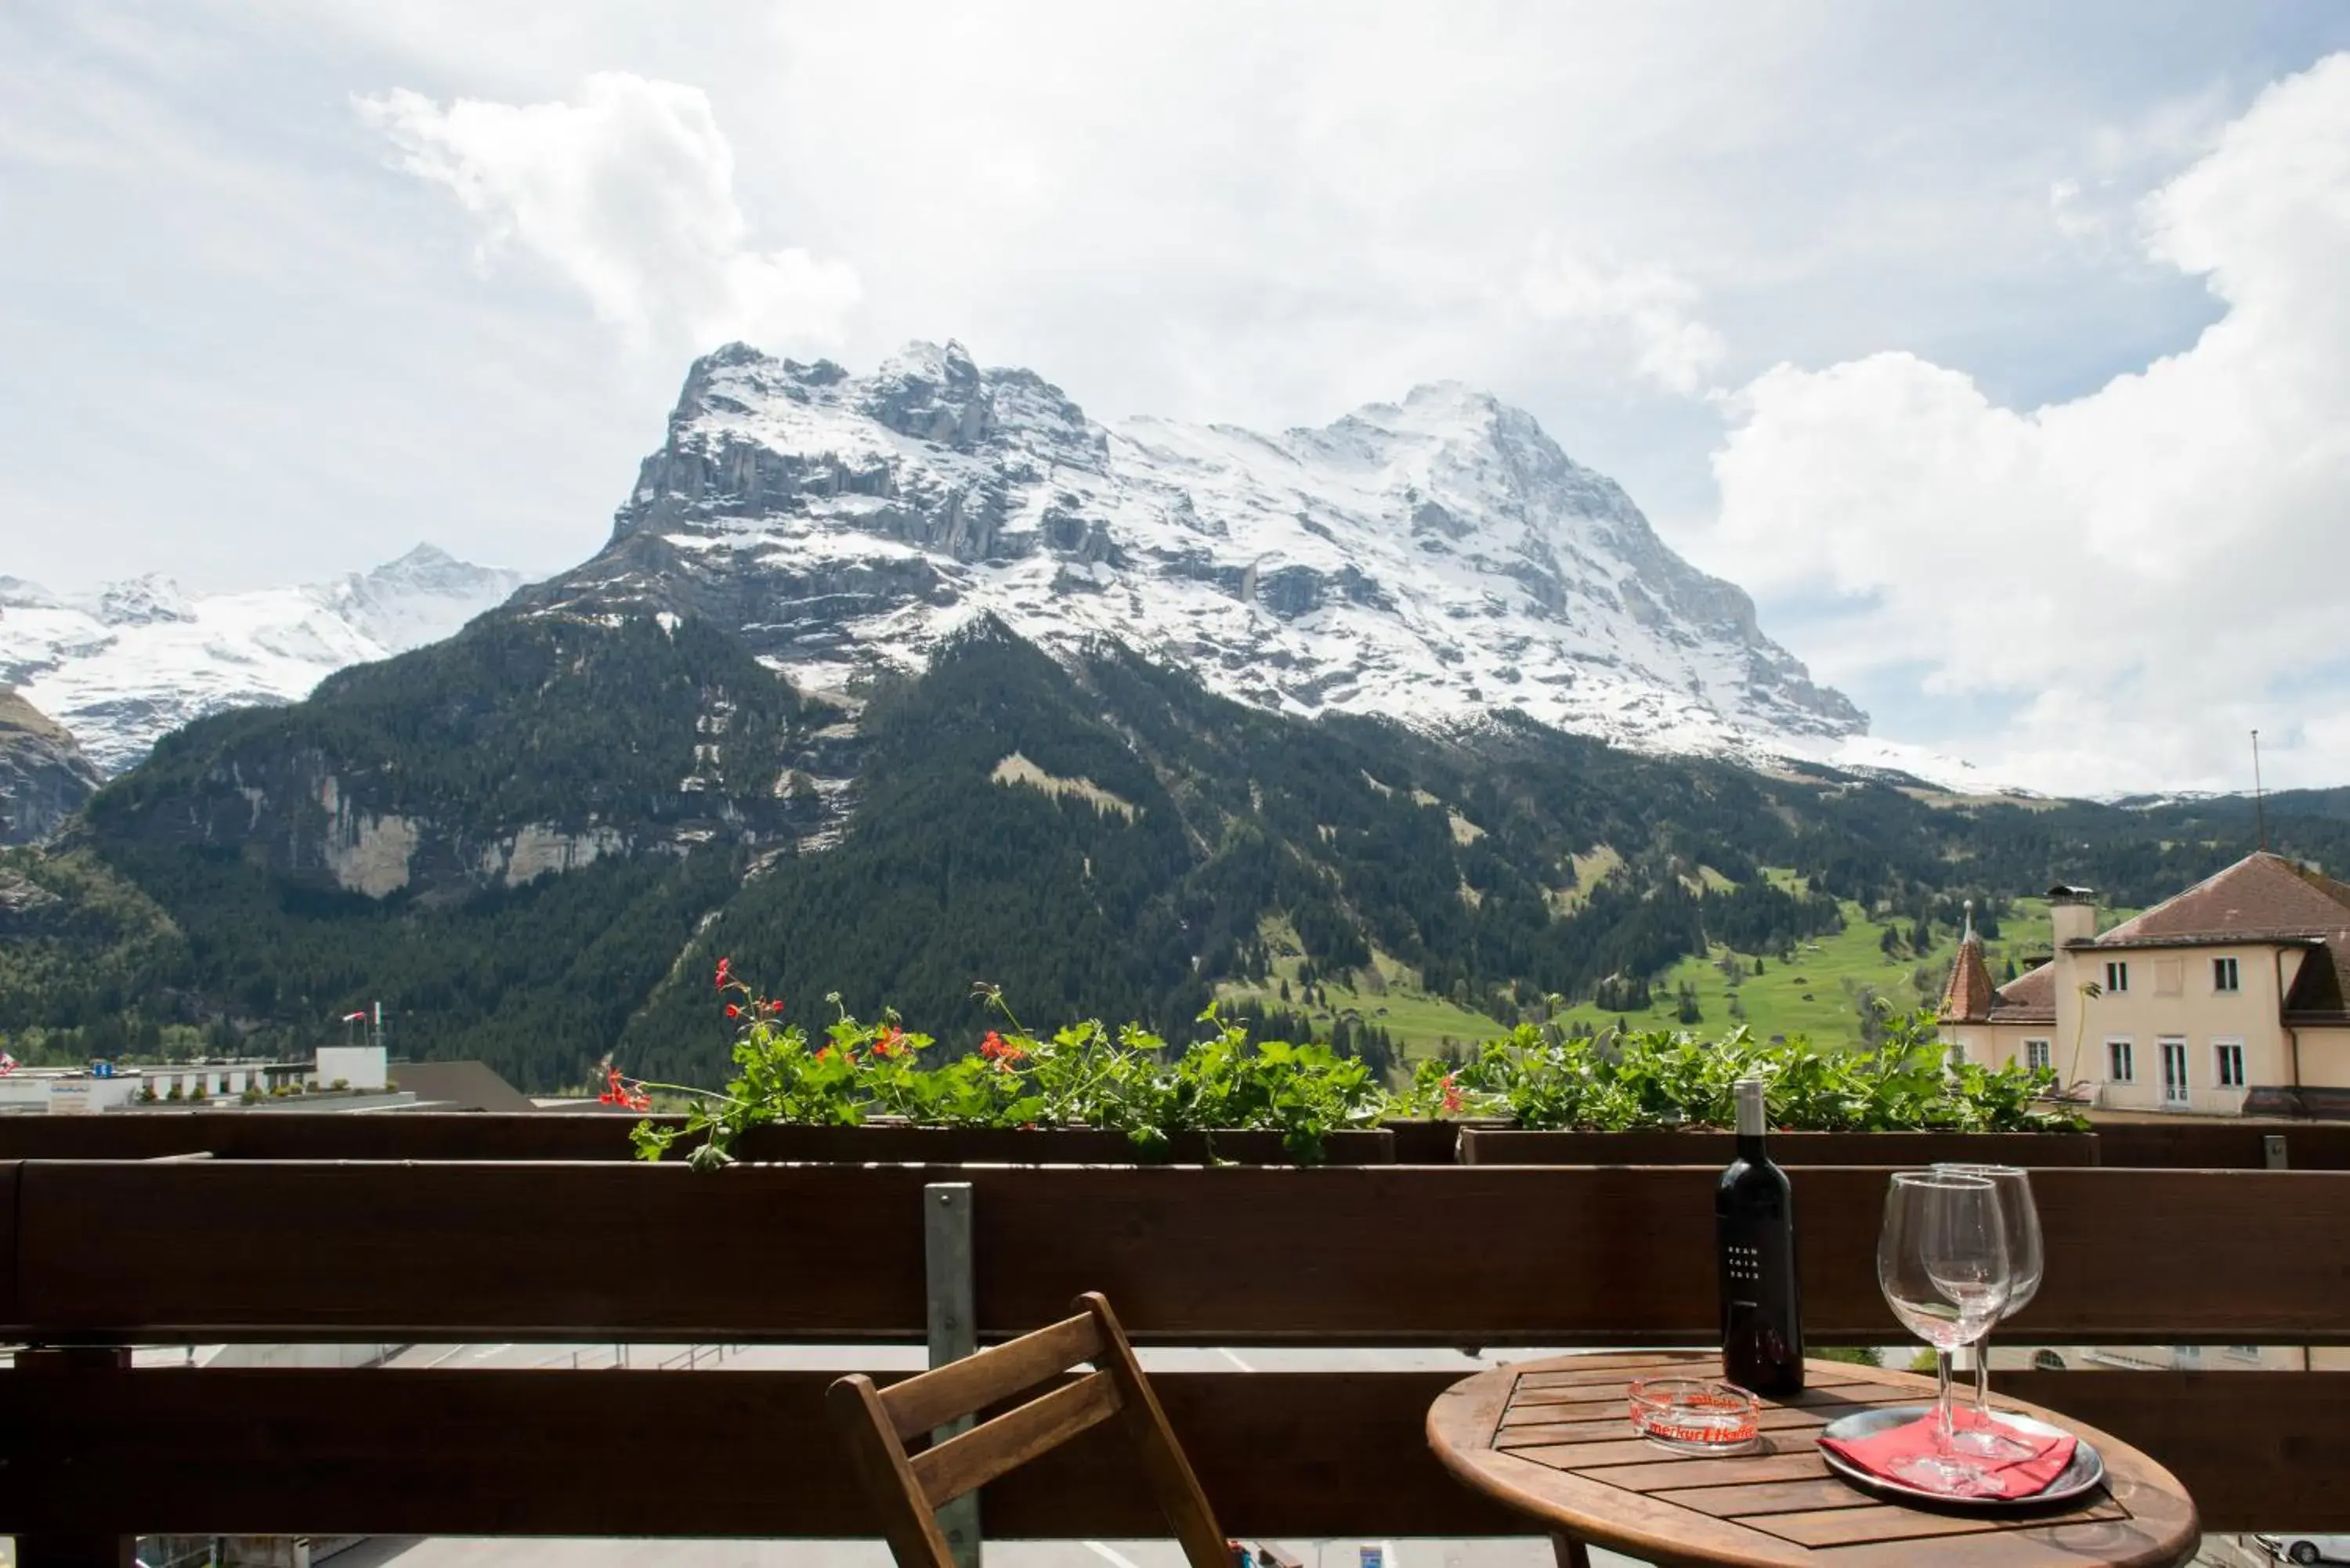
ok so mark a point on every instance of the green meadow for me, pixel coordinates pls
(1823, 991)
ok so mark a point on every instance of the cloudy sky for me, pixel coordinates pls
(2001, 350)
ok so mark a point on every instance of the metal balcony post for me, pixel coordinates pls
(953, 1326)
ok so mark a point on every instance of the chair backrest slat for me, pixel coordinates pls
(906, 1490)
(961, 1387)
(971, 1460)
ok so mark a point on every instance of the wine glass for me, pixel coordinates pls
(2024, 1258)
(1941, 1261)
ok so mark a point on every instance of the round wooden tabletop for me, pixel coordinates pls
(1552, 1439)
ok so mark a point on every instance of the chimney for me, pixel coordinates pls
(2073, 912)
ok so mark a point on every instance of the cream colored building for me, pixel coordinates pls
(2232, 992)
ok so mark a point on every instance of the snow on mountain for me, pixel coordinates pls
(137, 660)
(1435, 560)
(1898, 759)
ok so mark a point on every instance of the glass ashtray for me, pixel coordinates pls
(1695, 1415)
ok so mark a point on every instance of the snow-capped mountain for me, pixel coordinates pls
(123, 667)
(1437, 560)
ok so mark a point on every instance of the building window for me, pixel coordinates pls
(1957, 1053)
(2173, 1073)
(2119, 1066)
(2117, 975)
(2231, 1055)
(2223, 975)
(2035, 1053)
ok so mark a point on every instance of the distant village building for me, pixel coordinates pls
(2226, 999)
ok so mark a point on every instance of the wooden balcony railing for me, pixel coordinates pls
(2201, 1144)
(100, 1252)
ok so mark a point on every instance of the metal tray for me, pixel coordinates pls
(2084, 1475)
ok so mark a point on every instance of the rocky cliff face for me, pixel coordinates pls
(521, 747)
(44, 776)
(1439, 559)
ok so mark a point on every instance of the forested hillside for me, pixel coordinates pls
(1104, 838)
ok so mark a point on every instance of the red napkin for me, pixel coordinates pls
(1880, 1452)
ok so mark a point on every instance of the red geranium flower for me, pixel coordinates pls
(619, 1091)
(733, 1010)
(1452, 1100)
(724, 965)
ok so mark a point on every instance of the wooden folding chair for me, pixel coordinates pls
(907, 1489)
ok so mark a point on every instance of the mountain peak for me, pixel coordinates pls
(1440, 558)
(142, 600)
(1454, 398)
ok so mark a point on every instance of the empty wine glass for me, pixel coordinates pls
(2024, 1264)
(1941, 1261)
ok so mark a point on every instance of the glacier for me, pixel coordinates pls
(128, 664)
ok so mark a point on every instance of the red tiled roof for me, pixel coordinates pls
(2262, 898)
(1968, 998)
(2262, 895)
(2029, 998)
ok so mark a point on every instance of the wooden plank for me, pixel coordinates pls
(1564, 1255)
(2171, 1143)
(2222, 1143)
(709, 1453)
(1605, 1371)
(318, 1135)
(80, 1548)
(969, 1460)
(285, 1250)
(2244, 1444)
(8, 1266)
(1899, 1150)
(1884, 1524)
(1574, 1255)
(1621, 1367)
(727, 1453)
(1751, 1501)
(1613, 1428)
(1800, 1461)
(596, 1135)
(2112, 1278)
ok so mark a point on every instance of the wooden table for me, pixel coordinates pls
(1553, 1440)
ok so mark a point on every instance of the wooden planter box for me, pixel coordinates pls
(885, 1143)
(1439, 1142)
(1493, 1146)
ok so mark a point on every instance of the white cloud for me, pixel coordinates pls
(626, 192)
(2146, 571)
(1644, 313)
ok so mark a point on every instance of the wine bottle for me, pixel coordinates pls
(1754, 1236)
